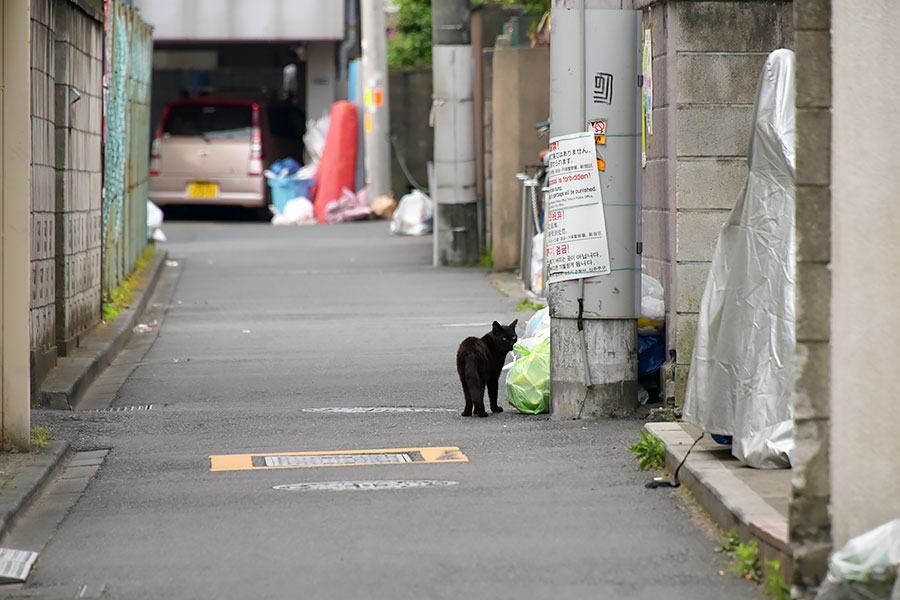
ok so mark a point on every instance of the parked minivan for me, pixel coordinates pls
(214, 150)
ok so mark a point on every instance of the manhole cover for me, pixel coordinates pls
(376, 409)
(384, 484)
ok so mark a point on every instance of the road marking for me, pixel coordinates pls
(384, 484)
(340, 458)
(376, 409)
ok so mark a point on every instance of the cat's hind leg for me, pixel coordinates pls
(467, 411)
(492, 395)
(476, 392)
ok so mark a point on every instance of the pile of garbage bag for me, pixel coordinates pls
(651, 338)
(528, 376)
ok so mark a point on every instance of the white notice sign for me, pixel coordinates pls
(575, 225)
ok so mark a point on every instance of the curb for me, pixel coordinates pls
(729, 500)
(29, 472)
(74, 374)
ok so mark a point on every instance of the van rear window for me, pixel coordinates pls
(209, 120)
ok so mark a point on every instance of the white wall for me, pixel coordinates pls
(320, 79)
(244, 20)
(865, 409)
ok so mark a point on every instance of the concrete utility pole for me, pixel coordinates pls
(376, 113)
(456, 219)
(594, 64)
(15, 224)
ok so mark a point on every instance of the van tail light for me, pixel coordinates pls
(256, 154)
(154, 147)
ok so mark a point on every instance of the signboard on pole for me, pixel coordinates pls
(576, 242)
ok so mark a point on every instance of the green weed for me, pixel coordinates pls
(528, 305)
(41, 436)
(773, 581)
(650, 451)
(745, 561)
(121, 296)
(487, 259)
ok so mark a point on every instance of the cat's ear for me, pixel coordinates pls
(497, 327)
(513, 324)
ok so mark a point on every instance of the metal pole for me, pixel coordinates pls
(376, 114)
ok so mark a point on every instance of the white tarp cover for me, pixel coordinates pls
(741, 375)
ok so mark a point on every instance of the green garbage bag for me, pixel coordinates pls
(528, 380)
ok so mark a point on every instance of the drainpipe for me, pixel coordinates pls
(350, 40)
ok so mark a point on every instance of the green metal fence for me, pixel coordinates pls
(128, 58)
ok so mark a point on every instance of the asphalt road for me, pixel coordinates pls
(266, 326)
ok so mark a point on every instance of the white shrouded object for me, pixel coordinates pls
(741, 376)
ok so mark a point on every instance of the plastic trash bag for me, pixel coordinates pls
(539, 320)
(282, 168)
(154, 222)
(528, 380)
(537, 264)
(653, 306)
(314, 138)
(349, 207)
(414, 215)
(866, 567)
(298, 211)
(651, 354)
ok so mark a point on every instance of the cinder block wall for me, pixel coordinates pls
(518, 101)
(79, 79)
(410, 105)
(43, 183)
(810, 523)
(707, 57)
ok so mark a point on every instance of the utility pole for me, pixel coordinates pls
(15, 225)
(456, 208)
(376, 114)
(594, 64)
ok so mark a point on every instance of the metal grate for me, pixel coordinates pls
(125, 408)
(326, 460)
(385, 484)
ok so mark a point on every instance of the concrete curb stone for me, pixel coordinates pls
(23, 475)
(74, 374)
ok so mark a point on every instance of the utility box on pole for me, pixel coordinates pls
(456, 209)
(594, 86)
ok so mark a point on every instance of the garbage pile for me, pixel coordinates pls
(651, 338)
(528, 377)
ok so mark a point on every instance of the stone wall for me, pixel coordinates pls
(809, 521)
(66, 107)
(518, 101)
(79, 80)
(410, 105)
(43, 183)
(707, 57)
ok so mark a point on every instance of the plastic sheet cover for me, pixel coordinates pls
(741, 375)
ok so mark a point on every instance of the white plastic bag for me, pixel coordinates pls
(537, 264)
(538, 321)
(298, 211)
(653, 306)
(866, 567)
(414, 215)
(154, 222)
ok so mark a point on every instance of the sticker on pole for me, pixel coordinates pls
(576, 242)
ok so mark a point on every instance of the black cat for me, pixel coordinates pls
(479, 362)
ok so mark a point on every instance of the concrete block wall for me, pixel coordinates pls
(517, 103)
(79, 75)
(707, 57)
(43, 180)
(410, 105)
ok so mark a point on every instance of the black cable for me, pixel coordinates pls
(658, 483)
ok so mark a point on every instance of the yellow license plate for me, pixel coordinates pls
(199, 189)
